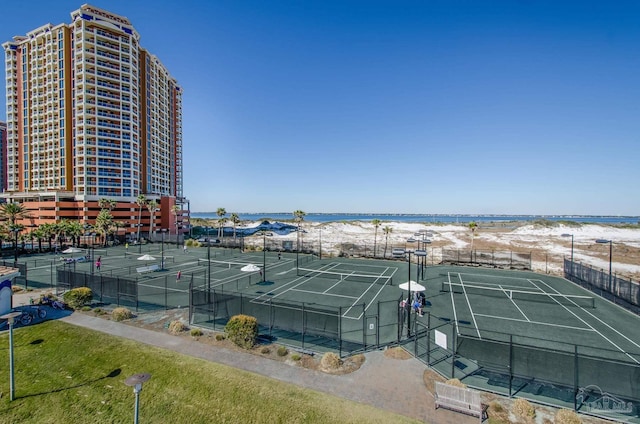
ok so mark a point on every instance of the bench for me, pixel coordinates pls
(149, 268)
(466, 401)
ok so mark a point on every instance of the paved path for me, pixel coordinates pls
(387, 383)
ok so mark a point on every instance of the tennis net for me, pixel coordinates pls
(346, 276)
(223, 264)
(526, 295)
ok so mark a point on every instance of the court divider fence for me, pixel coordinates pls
(563, 374)
(306, 326)
(142, 295)
(620, 291)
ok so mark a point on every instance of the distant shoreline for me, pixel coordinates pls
(425, 218)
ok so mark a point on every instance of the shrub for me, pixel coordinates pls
(120, 314)
(522, 408)
(220, 337)
(177, 327)
(265, 351)
(330, 361)
(498, 413)
(567, 416)
(88, 308)
(296, 357)
(78, 297)
(282, 351)
(456, 383)
(196, 332)
(242, 330)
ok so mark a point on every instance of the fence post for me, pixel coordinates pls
(575, 377)
(340, 332)
(166, 299)
(510, 363)
(428, 338)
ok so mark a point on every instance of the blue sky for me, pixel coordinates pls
(503, 107)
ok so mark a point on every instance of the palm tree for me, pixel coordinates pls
(221, 212)
(104, 223)
(386, 230)
(376, 223)
(152, 205)
(75, 230)
(105, 203)
(39, 235)
(140, 201)
(48, 231)
(235, 220)
(298, 217)
(61, 230)
(13, 211)
(473, 227)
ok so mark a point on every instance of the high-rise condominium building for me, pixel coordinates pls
(93, 115)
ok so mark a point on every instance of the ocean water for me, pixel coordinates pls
(340, 217)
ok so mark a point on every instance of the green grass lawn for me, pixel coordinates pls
(67, 374)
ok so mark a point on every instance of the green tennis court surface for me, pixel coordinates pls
(537, 336)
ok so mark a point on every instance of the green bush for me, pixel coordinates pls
(220, 337)
(242, 330)
(78, 297)
(196, 332)
(296, 357)
(265, 350)
(120, 314)
(282, 351)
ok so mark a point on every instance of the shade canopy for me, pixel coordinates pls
(412, 285)
(72, 250)
(250, 268)
(146, 257)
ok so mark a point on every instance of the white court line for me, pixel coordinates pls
(583, 321)
(536, 322)
(515, 304)
(475, 324)
(601, 321)
(453, 303)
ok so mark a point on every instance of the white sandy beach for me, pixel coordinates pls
(545, 242)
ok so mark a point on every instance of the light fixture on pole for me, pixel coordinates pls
(605, 241)
(136, 382)
(401, 253)
(163, 230)
(208, 260)
(264, 255)
(11, 317)
(15, 229)
(569, 235)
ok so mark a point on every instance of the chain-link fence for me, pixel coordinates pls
(308, 326)
(564, 374)
(620, 291)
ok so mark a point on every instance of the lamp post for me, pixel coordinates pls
(139, 241)
(15, 230)
(208, 260)
(569, 235)
(11, 317)
(604, 241)
(399, 253)
(163, 230)
(136, 382)
(264, 255)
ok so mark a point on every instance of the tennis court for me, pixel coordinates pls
(538, 336)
